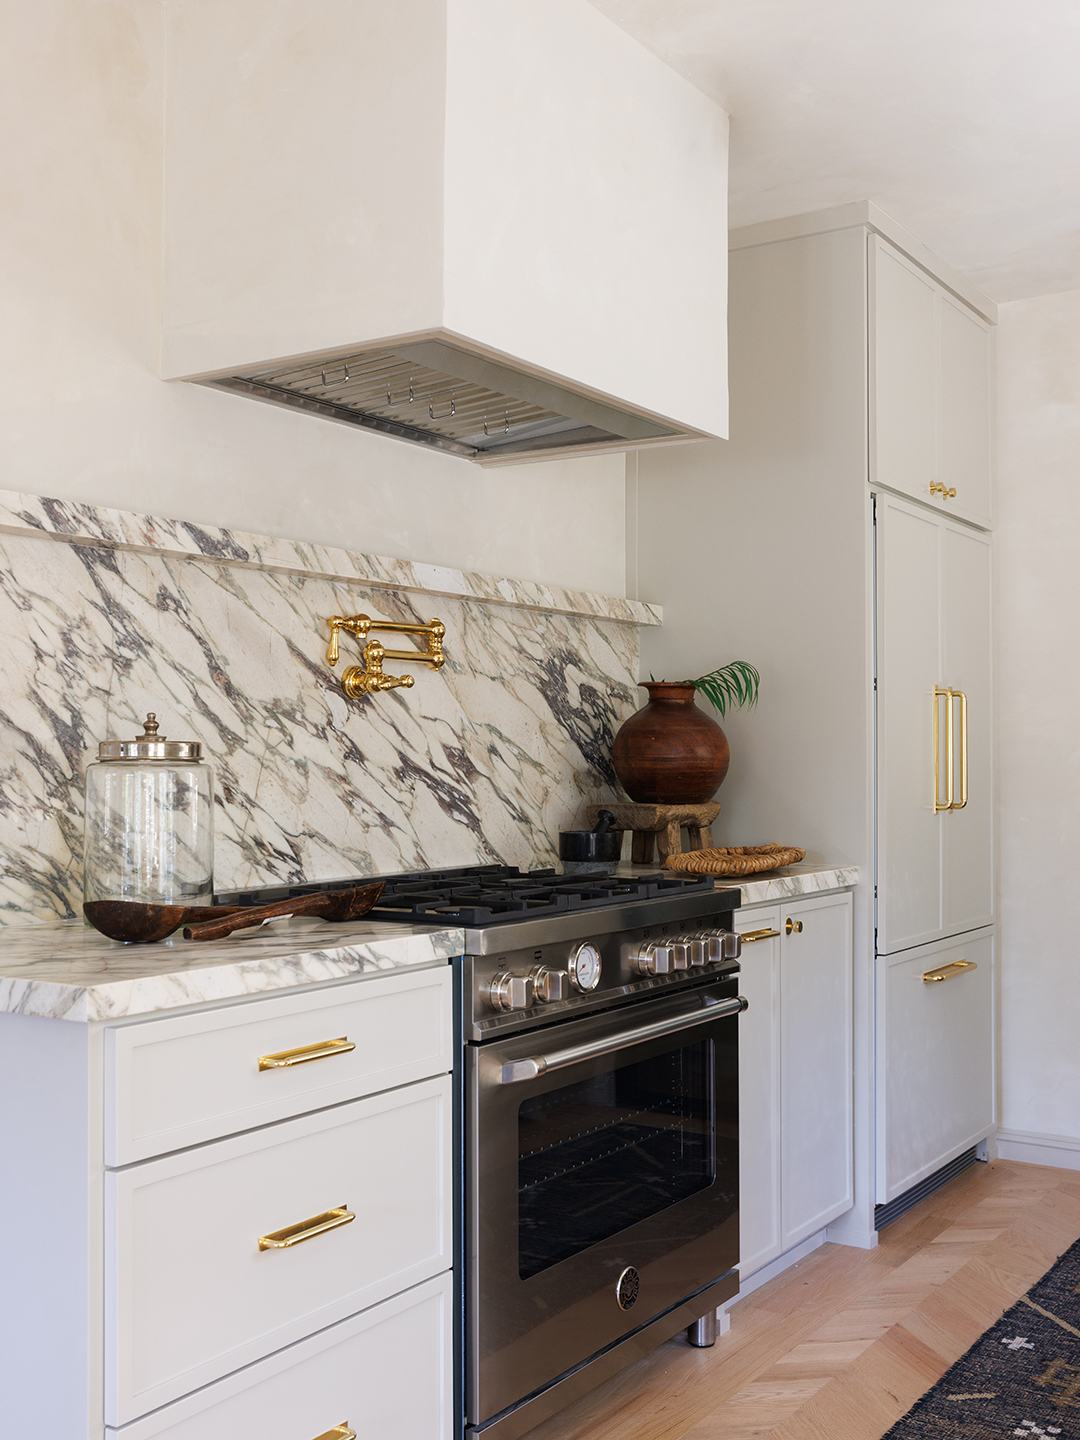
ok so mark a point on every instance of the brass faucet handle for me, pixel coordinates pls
(371, 679)
(357, 625)
(436, 635)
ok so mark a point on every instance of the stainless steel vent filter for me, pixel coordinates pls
(435, 394)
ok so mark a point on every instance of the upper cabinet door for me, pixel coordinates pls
(902, 370)
(963, 462)
(929, 389)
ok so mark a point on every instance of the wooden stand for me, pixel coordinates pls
(665, 823)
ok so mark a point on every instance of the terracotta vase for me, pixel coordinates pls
(670, 752)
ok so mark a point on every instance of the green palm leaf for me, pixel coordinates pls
(733, 686)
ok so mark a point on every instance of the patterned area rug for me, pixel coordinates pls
(1022, 1377)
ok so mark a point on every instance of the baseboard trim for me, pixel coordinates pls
(1031, 1148)
(777, 1267)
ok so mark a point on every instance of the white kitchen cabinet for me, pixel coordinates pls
(929, 388)
(795, 1073)
(935, 1071)
(840, 370)
(385, 1372)
(759, 1088)
(188, 1078)
(935, 864)
(193, 1296)
(164, 1314)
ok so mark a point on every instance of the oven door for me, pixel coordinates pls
(602, 1184)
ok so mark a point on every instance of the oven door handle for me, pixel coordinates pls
(534, 1065)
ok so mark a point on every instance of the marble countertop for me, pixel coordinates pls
(63, 970)
(788, 882)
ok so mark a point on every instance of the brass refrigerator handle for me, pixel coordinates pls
(306, 1229)
(959, 695)
(939, 693)
(951, 802)
(339, 1432)
(950, 971)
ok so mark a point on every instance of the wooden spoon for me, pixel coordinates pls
(337, 905)
(137, 923)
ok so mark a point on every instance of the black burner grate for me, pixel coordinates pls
(480, 895)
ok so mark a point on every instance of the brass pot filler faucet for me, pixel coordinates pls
(369, 678)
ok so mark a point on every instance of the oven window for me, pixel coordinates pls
(605, 1153)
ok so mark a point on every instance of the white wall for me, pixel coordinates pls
(1038, 680)
(83, 415)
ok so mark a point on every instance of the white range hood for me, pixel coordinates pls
(495, 226)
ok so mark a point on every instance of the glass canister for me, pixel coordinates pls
(149, 830)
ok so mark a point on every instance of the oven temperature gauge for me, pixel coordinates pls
(584, 967)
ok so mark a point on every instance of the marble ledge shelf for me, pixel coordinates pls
(68, 522)
(63, 970)
(792, 881)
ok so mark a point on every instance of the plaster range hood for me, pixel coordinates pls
(493, 227)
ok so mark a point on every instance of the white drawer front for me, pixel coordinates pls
(180, 1081)
(386, 1372)
(190, 1296)
(935, 1060)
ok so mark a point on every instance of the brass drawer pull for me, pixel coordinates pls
(794, 927)
(949, 972)
(748, 937)
(284, 1059)
(339, 1432)
(306, 1230)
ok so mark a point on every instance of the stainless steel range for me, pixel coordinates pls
(599, 1123)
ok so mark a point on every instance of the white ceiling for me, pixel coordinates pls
(961, 118)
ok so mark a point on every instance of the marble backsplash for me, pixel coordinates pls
(107, 615)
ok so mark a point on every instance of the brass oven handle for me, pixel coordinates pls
(750, 937)
(307, 1229)
(339, 1432)
(959, 804)
(285, 1059)
(533, 1065)
(950, 971)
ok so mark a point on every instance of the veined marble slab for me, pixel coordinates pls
(792, 881)
(63, 970)
(107, 616)
(44, 518)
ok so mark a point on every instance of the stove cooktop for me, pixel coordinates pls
(479, 895)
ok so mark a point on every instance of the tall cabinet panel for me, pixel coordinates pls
(859, 378)
(935, 862)
(929, 389)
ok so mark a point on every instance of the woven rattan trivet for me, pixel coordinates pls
(738, 860)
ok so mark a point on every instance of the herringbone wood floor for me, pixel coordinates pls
(840, 1346)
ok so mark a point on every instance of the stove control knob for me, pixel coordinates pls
(511, 992)
(697, 946)
(680, 953)
(652, 959)
(584, 966)
(549, 985)
(723, 945)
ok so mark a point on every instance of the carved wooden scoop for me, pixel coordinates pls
(137, 923)
(334, 905)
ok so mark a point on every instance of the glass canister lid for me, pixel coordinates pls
(150, 746)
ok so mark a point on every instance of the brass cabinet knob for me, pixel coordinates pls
(794, 927)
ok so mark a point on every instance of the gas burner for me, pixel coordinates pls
(478, 895)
